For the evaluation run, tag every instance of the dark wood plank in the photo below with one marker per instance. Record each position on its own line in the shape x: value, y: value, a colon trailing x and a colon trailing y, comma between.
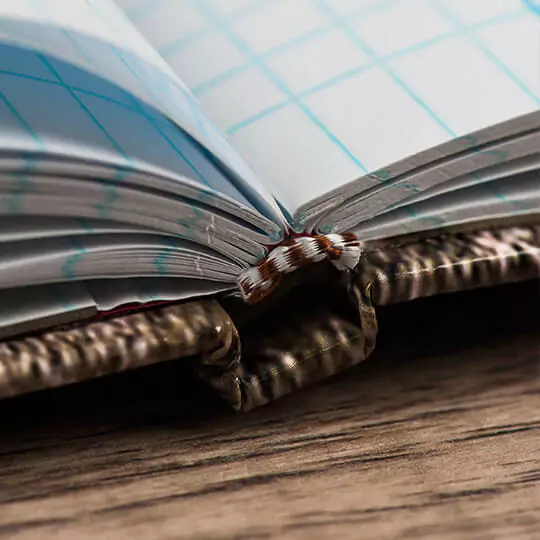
x: 437, y: 436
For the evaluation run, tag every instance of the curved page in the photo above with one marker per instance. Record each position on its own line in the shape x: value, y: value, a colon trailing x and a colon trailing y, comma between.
x: 78, y: 80
x: 319, y: 93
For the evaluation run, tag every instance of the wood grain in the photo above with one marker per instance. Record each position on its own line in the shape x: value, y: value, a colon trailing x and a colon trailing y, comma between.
x: 437, y: 436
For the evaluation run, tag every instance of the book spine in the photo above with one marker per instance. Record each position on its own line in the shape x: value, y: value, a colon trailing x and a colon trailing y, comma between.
x: 310, y: 344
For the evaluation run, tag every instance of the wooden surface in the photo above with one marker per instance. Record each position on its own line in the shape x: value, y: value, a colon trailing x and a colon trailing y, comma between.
x: 437, y: 436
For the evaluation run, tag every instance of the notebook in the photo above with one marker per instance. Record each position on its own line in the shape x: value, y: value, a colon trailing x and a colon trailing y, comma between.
x: 159, y: 151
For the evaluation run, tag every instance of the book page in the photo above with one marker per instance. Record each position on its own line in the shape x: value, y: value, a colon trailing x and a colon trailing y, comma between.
x: 513, y: 197
x: 40, y: 307
x: 78, y: 80
x: 318, y: 93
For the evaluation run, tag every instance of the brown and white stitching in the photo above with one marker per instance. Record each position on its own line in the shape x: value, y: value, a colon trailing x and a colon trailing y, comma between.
x: 343, y: 250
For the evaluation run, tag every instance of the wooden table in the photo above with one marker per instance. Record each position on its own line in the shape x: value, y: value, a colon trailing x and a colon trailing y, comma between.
x: 436, y: 436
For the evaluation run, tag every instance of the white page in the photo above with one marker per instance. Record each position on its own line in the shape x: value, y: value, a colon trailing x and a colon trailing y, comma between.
x: 317, y: 93
x: 31, y: 309
x: 77, y: 79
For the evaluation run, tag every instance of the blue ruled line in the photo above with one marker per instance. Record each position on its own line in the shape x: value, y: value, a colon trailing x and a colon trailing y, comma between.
x: 370, y: 65
x: 69, y: 271
x: 455, y: 21
x: 126, y: 64
x: 21, y: 178
x: 73, y: 94
x: 244, y: 48
x: 289, y: 45
x: 532, y: 6
x: 143, y: 8
x: 177, y: 45
x: 357, y: 39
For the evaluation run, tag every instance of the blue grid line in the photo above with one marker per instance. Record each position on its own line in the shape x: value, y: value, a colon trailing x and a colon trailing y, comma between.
x: 448, y: 36
x: 75, y: 88
x: 216, y: 81
x: 194, y: 108
x: 161, y: 259
x: 76, y: 45
x: 28, y: 128
x: 121, y: 57
x: 37, y: 5
x: 183, y: 42
x: 68, y: 270
x: 85, y: 225
x: 370, y: 65
x: 243, y: 47
x: 285, y: 47
x: 13, y: 203
x: 142, y: 8
x: 102, y: 207
x: 259, y: 116
x: 455, y: 21
x: 112, y: 194
x: 360, y: 42
x: 532, y: 6
x: 179, y: 44
x: 21, y: 178
x: 73, y: 94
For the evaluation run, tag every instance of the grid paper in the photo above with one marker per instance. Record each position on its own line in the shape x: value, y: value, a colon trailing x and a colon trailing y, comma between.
x: 78, y: 81
x: 78, y: 78
x: 316, y: 93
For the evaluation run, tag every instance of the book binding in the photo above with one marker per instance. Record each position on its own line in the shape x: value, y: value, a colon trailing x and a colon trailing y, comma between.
x: 306, y: 340
x: 343, y: 250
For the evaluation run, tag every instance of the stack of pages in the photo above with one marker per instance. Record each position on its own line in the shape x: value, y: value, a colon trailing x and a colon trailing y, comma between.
x: 155, y: 150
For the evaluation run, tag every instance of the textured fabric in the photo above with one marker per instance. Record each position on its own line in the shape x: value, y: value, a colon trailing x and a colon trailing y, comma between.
x: 307, y: 347
x: 449, y: 263
x: 300, y: 346
x: 67, y: 356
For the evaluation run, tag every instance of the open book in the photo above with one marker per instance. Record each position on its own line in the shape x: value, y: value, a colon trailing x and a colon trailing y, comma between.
x: 158, y: 150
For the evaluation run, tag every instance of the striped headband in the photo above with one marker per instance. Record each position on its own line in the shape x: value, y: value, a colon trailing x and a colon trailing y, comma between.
x: 343, y: 250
